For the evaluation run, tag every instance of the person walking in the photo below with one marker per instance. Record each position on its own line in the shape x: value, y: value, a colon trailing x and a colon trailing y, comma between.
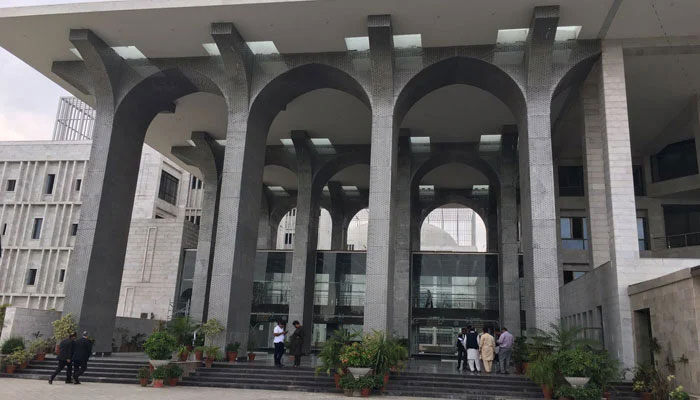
x: 82, y: 350
x: 486, y: 348
x: 472, y: 344
x: 279, y: 334
x: 296, y: 344
x: 461, y: 350
x: 65, y: 355
x: 496, y: 350
x: 505, y: 341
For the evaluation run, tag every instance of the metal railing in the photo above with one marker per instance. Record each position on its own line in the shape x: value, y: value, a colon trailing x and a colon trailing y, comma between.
x: 680, y: 240
x: 574, y: 244
x: 456, y: 301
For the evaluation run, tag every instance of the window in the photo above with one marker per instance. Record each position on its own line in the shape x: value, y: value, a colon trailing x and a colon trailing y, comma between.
x: 197, y: 220
x: 36, y: 231
x: 574, y: 235
x: 638, y: 178
x: 168, y: 188
x: 78, y: 184
x: 31, y: 277
x: 570, y: 276
x: 199, y: 183
x: 4, y: 228
x: 158, y: 216
x: 74, y: 229
x: 50, y: 179
x: 193, y: 181
x: 674, y: 161
x: 571, y: 181
x: 11, y: 183
x: 61, y: 275
x: 288, y: 238
x: 682, y: 224
x: 642, y: 236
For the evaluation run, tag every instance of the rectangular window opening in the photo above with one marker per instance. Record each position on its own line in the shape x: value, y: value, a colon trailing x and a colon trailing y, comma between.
x: 78, y: 184
x: 31, y: 277
x: 62, y: 275
x: 11, y: 184
x: 74, y: 229
x: 571, y: 181
x: 168, y: 188
x: 4, y: 228
x: 36, y: 230
x: 574, y: 233
x: 50, y: 179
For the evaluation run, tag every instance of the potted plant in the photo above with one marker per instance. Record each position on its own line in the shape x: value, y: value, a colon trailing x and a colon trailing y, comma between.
x: 543, y: 372
x: 182, y: 329
x: 144, y: 374
x: 366, y: 384
x: 10, y: 345
x: 605, y: 369
x: 576, y: 365
x: 232, y: 351
x: 211, y: 328
x: 212, y: 353
x: 357, y: 359
x: 519, y: 354
x: 159, y: 348
x: 13, y: 360
x: 198, y: 352
x: 643, y: 376
x: 62, y: 328
x: 348, y: 384
x: 588, y: 392
x: 678, y: 394
x: 251, y: 346
x: 183, y: 353
x: 38, y: 349
x: 23, y: 357
x: 330, y: 354
x: 159, y: 374
x: 173, y: 372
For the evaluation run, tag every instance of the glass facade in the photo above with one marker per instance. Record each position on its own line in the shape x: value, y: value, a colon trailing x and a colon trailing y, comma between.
x: 448, y: 292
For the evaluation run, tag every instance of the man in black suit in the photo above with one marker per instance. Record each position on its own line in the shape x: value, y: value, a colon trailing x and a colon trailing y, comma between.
x: 82, y: 350
x: 65, y: 355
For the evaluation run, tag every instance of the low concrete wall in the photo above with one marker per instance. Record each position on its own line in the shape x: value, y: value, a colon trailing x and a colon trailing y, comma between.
x: 25, y: 321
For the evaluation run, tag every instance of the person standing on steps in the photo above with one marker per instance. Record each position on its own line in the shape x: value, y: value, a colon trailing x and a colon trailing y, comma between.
x: 505, y: 341
x: 82, y: 350
x: 461, y: 350
x: 65, y: 355
x: 472, y: 345
x: 296, y: 345
x: 486, y: 347
x: 279, y: 334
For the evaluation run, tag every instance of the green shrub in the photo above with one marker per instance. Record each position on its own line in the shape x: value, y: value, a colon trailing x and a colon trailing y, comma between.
x: 12, y: 344
x: 63, y: 327
x: 160, y: 372
x: 588, y: 392
x: 543, y: 371
x: 173, y: 371
x: 144, y: 372
x: 39, y: 346
x: 233, y: 347
x: 212, y: 328
x: 212, y: 352
x: 160, y: 346
x: 182, y: 329
x: 576, y: 362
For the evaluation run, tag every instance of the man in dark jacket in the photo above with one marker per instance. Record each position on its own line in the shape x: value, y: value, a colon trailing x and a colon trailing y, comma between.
x: 65, y: 355
x: 82, y: 350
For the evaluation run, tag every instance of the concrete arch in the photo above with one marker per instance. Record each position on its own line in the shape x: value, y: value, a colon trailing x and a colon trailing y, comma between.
x: 575, y: 75
x: 439, y: 159
x: 460, y: 70
x: 453, y: 199
x: 335, y: 165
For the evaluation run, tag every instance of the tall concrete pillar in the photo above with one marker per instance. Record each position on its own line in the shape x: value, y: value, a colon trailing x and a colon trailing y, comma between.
x: 337, y: 212
x: 382, y: 200
x: 97, y: 262
x: 539, y: 227
x: 301, y: 299
x: 266, y: 240
x: 207, y: 155
x: 621, y: 211
x: 599, y: 248
x: 402, y: 247
x: 231, y: 292
x: 508, y: 235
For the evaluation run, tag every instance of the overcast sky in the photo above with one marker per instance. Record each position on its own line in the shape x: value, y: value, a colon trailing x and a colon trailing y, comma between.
x: 28, y: 100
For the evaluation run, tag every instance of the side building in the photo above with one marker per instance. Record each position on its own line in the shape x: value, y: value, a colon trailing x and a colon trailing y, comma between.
x: 40, y: 199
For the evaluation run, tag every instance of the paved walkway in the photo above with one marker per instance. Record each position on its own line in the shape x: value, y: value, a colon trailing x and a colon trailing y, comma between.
x: 32, y: 389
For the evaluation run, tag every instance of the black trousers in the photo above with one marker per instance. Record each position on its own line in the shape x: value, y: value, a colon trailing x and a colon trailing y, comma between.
x: 69, y: 370
x: 297, y: 360
x: 461, y: 358
x: 79, y: 367
x: 279, y: 352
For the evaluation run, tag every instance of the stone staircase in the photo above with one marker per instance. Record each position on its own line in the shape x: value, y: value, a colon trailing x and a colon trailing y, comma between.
x: 243, y: 375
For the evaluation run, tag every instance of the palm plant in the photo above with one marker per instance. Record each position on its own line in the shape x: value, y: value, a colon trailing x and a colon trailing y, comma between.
x: 330, y: 352
x: 182, y: 328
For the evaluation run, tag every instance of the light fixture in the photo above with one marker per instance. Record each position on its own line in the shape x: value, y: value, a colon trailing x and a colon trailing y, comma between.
x: 360, y: 43
x: 425, y: 188
x: 287, y: 142
x: 276, y: 189
x: 76, y: 52
x: 191, y: 143
x: 129, y: 52
x: 321, y: 142
x: 480, y: 188
x: 565, y: 33
x: 420, y: 139
x: 410, y: 41
x: 263, y: 47
x: 490, y: 143
x: 212, y: 49
x: 510, y: 36
x: 350, y: 188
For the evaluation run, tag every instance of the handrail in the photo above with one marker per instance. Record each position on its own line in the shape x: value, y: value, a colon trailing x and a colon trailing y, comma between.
x: 680, y: 240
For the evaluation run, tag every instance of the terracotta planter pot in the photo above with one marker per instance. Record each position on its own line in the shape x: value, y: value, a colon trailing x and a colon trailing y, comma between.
x: 56, y: 349
x: 366, y: 392
x: 150, y: 368
x: 157, y: 383
x: 189, y: 348
x: 232, y: 355
x: 519, y: 368
x: 172, y: 381
x: 23, y: 365
x: 251, y: 356
x: 184, y: 356
x: 336, y: 377
x: 40, y: 356
x: 606, y: 395
x: 208, y: 362
x: 198, y: 355
x: 547, y: 391
x: 526, y: 365
x: 10, y: 369
x: 386, y: 381
x: 143, y: 381
x: 645, y: 396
